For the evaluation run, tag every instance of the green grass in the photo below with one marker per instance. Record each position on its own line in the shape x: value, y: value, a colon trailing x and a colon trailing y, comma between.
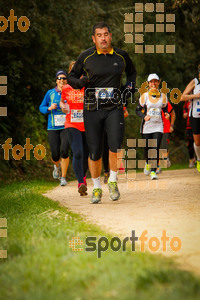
x: 174, y: 166
x: 40, y: 264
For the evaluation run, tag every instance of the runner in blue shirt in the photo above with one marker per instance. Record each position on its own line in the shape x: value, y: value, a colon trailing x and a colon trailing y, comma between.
x: 57, y: 136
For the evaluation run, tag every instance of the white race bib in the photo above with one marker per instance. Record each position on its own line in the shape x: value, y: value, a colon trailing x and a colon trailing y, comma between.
x: 59, y: 120
x: 196, y: 102
x: 76, y: 115
x: 196, y: 108
x: 155, y: 114
x: 103, y: 93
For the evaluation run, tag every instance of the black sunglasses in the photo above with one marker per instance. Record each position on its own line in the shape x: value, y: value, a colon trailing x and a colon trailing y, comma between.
x: 64, y: 78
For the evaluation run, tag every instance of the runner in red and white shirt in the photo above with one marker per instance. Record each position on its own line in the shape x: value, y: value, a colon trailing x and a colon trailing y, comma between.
x: 72, y: 104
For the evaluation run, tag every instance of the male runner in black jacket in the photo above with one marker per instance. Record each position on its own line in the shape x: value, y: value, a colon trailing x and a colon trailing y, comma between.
x: 102, y: 67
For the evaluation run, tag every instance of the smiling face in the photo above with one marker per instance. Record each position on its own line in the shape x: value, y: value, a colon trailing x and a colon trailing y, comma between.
x: 154, y: 84
x: 60, y: 81
x: 102, y: 40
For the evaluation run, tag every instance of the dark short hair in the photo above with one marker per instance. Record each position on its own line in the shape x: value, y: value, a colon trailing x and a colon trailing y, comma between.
x: 100, y: 25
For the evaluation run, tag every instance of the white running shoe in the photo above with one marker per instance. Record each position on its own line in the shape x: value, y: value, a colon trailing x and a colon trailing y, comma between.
x: 153, y: 175
x: 147, y: 169
x: 113, y: 190
x: 63, y: 181
x: 96, y: 196
x: 159, y: 170
x: 192, y: 163
x: 168, y: 163
x: 56, y: 172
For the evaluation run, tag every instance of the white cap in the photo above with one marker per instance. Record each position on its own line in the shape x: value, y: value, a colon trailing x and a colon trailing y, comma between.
x: 152, y: 76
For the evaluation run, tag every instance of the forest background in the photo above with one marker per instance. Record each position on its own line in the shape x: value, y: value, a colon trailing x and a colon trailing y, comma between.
x: 59, y: 31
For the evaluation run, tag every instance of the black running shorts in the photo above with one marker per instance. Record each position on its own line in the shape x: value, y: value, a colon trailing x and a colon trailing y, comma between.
x: 112, y: 121
x: 195, y: 124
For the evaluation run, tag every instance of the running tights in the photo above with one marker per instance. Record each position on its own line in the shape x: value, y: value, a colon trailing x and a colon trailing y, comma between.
x: 153, y: 141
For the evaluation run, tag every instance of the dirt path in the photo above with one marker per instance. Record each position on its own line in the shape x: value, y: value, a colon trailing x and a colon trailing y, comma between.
x: 171, y: 203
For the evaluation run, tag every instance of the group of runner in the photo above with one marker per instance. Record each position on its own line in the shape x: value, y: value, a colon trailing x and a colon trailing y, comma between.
x: 86, y: 110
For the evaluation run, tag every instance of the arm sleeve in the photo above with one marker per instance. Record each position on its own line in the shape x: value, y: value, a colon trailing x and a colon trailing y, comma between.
x: 45, y: 104
x: 77, y: 71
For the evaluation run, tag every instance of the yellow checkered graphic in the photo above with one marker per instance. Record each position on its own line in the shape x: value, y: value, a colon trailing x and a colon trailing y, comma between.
x: 3, y: 234
x: 76, y: 241
x: 134, y: 27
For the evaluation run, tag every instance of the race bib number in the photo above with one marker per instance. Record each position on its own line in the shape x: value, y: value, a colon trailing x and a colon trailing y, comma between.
x: 76, y: 115
x: 103, y: 93
x: 59, y: 120
x: 154, y: 113
x: 196, y: 109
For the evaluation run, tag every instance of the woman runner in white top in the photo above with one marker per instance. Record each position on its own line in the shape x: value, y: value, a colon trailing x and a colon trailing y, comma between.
x: 192, y: 92
x: 152, y: 103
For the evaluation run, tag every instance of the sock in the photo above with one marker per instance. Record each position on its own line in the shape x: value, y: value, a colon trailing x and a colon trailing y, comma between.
x: 197, y: 151
x: 96, y: 183
x: 113, y: 176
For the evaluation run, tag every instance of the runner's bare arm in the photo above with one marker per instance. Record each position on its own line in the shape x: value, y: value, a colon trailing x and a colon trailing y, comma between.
x: 173, y: 118
x: 187, y: 92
